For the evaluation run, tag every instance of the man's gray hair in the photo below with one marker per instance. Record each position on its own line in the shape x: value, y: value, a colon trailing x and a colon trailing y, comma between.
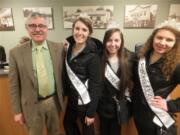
x: 35, y: 15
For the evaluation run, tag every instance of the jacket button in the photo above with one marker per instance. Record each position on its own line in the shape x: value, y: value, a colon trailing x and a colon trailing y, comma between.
x: 75, y: 60
x: 153, y: 71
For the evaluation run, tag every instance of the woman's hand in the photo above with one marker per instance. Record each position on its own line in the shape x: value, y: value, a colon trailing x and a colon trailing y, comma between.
x: 19, y: 118
x: 89, y: 121
x: 159, y: 102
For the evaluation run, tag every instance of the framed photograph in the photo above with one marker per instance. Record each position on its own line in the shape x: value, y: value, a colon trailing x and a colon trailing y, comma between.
x: 100, y: 15
x: 174, y: 12
x: 47, y: 11
x: 6, y: 19
x: 140, y: 16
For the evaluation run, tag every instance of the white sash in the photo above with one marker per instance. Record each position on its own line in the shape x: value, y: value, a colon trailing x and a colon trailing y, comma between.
x: 162, y: 117
x: 112, y: 77
x: 79, y: 86
x: 114, y: 80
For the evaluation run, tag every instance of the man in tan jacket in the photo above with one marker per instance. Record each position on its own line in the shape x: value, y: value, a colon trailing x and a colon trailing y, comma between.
x: 32, y: 108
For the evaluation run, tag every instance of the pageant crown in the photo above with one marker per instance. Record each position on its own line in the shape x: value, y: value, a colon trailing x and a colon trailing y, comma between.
x: 85, y: 15
x: 170, y: 22
x: 112, y: 25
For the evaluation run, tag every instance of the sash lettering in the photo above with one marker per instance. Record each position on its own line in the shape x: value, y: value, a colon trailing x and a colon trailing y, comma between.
x: 112, y: 77
x: 162, y: 117
x: 114, y: 80
x: 81, y: 88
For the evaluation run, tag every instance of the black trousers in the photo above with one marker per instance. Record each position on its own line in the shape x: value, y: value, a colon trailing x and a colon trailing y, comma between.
x: 109, y: 126
x: 70, y: 121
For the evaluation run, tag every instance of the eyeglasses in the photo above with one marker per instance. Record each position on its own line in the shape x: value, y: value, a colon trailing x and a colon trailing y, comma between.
x: 34, y: 26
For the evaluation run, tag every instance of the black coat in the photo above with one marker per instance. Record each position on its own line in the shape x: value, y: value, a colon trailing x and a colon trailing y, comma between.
x: 86, y: 65
x: 107, y: 105
x: 142, y: 113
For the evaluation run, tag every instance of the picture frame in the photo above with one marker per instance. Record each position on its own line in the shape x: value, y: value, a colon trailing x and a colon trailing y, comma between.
x: 140, y: 16
x: 99, y: 15
x: 174, y: 12
x: 6, y: 19
x: 47, y: 11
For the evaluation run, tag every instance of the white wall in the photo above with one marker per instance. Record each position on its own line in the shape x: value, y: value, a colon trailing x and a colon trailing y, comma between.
x: 10, y: 38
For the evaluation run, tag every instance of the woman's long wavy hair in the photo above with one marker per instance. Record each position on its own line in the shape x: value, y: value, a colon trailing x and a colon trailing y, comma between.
x: 124, y: 71
x: 171, y: 58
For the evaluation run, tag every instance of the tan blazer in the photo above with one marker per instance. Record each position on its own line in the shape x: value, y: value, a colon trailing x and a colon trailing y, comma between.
x: 23, y: 86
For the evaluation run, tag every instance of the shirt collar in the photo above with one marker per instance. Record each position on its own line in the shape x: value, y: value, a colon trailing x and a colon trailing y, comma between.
x: 34, y: 45
x: 148, y: 54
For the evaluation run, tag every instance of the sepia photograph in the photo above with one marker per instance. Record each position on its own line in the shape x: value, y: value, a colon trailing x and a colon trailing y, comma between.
x: 6, y: 19
x: 99, y: 15
x: 140, y: 16
x: 174, y: 12
x: 47, y: 11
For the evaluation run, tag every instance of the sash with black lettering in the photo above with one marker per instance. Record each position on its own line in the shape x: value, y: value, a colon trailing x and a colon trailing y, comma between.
x: 114, y: 80
x: 112, y: 77
x: 81, y: 88
x: 162, y: 117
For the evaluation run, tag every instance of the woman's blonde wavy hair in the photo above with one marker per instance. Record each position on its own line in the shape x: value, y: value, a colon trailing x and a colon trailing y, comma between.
x: 171, y: 58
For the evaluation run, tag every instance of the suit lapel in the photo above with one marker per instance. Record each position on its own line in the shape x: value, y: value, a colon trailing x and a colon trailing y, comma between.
x: 27, y: 58
x: 54, y: 54
x: 53, y: 49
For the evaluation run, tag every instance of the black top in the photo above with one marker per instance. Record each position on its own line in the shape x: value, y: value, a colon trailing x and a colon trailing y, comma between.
x: 86, y: 65
x: 161, y: 87
x: 107, y: 105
